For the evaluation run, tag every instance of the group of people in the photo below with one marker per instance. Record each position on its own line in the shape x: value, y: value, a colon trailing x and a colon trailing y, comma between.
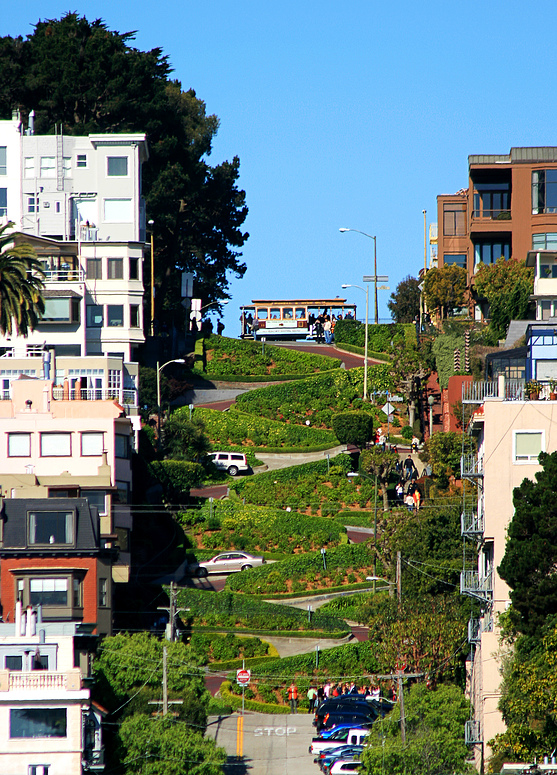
x: 318, y: 694
x: 322, y: 327
x: 412, y: 498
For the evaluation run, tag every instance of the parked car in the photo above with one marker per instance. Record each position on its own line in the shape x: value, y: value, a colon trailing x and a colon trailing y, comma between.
x: 340, y: 767
x: 338, y: 737
x: 344, y: 752
x: 231, y: 462
x: 228, y: 562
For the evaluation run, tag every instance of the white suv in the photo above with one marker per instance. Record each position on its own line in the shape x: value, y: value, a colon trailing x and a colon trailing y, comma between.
x: 231, y: 462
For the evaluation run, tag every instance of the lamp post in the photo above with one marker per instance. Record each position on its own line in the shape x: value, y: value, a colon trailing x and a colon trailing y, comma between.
x: 430, y: 401
x: 151, y: 223
x: 374, y: 264
x: 366, y: 291
x: 159, y: 369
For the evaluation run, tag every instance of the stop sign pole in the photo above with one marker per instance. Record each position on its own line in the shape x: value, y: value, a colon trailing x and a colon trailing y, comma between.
x: 243, y: 677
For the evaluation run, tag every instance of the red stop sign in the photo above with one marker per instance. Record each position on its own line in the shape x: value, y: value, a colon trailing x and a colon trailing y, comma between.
x: 243, y: 676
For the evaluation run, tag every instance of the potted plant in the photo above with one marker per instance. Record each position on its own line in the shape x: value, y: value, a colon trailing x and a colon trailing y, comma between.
x: 553, y: 389
x: 533, y: 388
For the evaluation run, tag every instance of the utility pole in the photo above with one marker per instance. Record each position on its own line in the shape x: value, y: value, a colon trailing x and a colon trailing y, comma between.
x: 401, y: 702
x: 165, y: 683
x: 399, y: 578
x: 172, y: 613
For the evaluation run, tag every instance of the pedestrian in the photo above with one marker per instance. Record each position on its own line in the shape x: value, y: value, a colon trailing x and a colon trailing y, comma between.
x: 409, y: 501
x: 399, y: 489
x: 417, y: 498
x: 408, y: 468
x: 194, y: 327
x: 327, y: 330
x: 382, y: 441
x: 220, y: 327
x: 293, y: 697
x: 415, y: 443
x: 312, y: 698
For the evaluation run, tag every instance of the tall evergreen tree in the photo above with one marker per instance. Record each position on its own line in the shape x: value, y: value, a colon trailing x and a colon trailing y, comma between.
x: 86, y: 78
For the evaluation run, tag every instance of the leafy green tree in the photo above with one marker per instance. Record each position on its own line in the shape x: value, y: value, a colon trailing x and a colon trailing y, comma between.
x: 21, y: 285
x: 507, y: 286
x: 87, y: 78
x: 353, y: 428
x: 434, y: 739
x: 528, y: 565
x: 443, y: 451
x: 445, y: 288
x: 163, y: 746
x: 405, y: 301
x: 380, y: 464
x: 185, y: 439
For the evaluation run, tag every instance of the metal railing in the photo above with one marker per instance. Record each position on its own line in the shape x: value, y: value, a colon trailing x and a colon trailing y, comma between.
x: 125, y: 397
x: 474, y: 630
x: 472, y: 733
x: 477, y: 392
x: 471, y: 466
x: 474, y: 585
x: 471, y: 523
x: 64, y: 275
x: 492, y: 215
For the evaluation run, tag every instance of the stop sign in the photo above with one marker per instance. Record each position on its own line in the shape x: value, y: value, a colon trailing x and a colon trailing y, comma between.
x: 243, y: 676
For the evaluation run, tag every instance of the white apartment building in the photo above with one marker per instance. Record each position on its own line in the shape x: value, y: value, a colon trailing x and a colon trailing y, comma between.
x: 48, y: 723
x: 78, y: 201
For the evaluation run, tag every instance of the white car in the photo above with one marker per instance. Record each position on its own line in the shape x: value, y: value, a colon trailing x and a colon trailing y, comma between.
x: 347, y: 766
x: 231, y: 462
x: 228, y: 562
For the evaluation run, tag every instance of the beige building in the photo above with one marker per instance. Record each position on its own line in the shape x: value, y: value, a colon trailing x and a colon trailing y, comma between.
x: 511, y: 431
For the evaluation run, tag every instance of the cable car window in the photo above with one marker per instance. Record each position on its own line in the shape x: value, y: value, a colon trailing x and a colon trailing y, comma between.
x: 287, y: 313
x: 262, y: 313
x: 300, y: 313
x: 275, y: 313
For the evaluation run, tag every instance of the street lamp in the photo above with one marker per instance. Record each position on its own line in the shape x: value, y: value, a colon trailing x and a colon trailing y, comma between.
x: 366, y: 291
x: 374, y: 264
x: 430, y: 401
x: 159, y: 369
x: 151, y: 223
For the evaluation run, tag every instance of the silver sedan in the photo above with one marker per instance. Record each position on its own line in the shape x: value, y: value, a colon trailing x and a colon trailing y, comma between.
x: 229, y: 562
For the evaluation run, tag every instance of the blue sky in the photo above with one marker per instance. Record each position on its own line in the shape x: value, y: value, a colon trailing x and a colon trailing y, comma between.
x: 351, y: 114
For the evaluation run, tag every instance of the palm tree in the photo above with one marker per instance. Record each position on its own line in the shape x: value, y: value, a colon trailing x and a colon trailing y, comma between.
x: 21, y: 285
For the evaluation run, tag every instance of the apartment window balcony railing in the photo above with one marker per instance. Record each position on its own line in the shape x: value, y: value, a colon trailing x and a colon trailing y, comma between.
x: 471, y: 466
x: 492, y: 215
x: 472, y: 733
x: 126, y: 397
x: 474, y: 630
x: 471, y: 523
x: 477, y: 392
x: 63, y: 275
x: 474, y: 585
x: 37, y: 680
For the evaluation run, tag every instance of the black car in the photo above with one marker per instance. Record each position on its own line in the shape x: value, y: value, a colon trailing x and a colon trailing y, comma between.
x: 356, y: 717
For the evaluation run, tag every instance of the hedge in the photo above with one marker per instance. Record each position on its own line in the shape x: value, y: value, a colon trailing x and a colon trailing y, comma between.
x: 227, y: 610
x: 353, y: 428
x: 258, y: 378
x: 344, y: 662
x: 235, y: 427
x: 345, y: 565
x: 226, y: 357
x: 177, y: 477
x: 311, y: 634
x: 381, y: 337
x: 232, y: 525
x: 259, y: 707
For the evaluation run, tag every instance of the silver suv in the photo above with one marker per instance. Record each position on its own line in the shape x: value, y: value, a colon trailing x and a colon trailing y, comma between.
x: 231, y: 462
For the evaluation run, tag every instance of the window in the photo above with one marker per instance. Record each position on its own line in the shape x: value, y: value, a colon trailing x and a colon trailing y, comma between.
x: 61, y: 310
x: 117, y: 166
x: 14, y: 662
x: 455, y: 258
x: 39, y: 769
x: 115, y: 315
x: 56, y: 444
x: 19, y: 445
x: 300, y: 313
x: 134, y: 316
x: 544, y: 241
x: 118, y: 211
x: 115, y: 268
x: 48, y: 592
x: 94, y: 315
x: 81, y: 161
x: 3, y: 201
x: 528, y: 445
x: 77, y: 593
x: 94, y: 269
x: 489, y: 251
x: 275, y: 313
x: 114, y: 382
x: 48, y: 167
x: 3, y: 160
x: 32, y: 204
x: 492, y: 200
x: 548, y: 270
x: 38, y: 722
x: 123, y: 491
x: 67, y: 166
x: 29, y: 167
x: 103, y: 592
x: 122, y: 446
x: 96, y: 498
x: 287, y: 313
x: 544, y: 191
x: 454, y: 220
x: 92, y: 444
x: 51, y: 527
x: 134, y: 269
x: 262, y: 314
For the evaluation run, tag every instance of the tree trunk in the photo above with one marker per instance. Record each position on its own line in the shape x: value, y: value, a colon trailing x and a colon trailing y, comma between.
x: 385, y: 496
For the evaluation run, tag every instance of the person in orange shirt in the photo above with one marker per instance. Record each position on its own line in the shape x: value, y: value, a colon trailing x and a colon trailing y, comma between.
x: 293, y: 697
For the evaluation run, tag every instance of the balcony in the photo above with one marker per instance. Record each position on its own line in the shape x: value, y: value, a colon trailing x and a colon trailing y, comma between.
x: 472, y: 733
x: 492, y: 215
x: 474, y: 631
x: 67, y: 275
x: 471, y: 466
x: 476, y: 586
x: 508, y: 390
x: 43, y: 680
x: 471, y: 523
x: 124, y: 397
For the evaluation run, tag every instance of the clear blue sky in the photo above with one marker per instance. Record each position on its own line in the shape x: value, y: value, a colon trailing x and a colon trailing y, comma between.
x: 351, y: 114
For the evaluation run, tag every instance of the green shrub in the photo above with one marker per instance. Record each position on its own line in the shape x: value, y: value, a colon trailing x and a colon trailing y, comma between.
x: 177, y: 477
x: 353, y: 428
x: 260, y: 707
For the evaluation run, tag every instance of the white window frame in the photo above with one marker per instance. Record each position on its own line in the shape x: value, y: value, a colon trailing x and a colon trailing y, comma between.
x: 97, y: 440
x: 108, y: 160
x: 29, y: 167
x: 123, y: 210
x: 530, y: 459
x: 23, y: 449
x: 57, y: 442
x: 81, y: 161
x: 48, y: 171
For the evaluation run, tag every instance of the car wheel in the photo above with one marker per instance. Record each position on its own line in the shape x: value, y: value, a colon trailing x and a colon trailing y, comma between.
x: 246, y: 567
x: 233, y: 470
x: 201, y: 573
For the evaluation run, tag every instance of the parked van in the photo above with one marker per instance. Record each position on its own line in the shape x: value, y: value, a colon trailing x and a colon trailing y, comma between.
x: 340, y: 737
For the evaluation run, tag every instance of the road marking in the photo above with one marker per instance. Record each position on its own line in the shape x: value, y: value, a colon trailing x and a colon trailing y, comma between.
x: 278, y: 731
x: 240, y: 736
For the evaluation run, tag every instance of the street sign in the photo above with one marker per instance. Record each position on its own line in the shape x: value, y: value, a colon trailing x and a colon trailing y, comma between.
x: 380, y: 278
x: 243, y: 677
x: 388, y: 408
